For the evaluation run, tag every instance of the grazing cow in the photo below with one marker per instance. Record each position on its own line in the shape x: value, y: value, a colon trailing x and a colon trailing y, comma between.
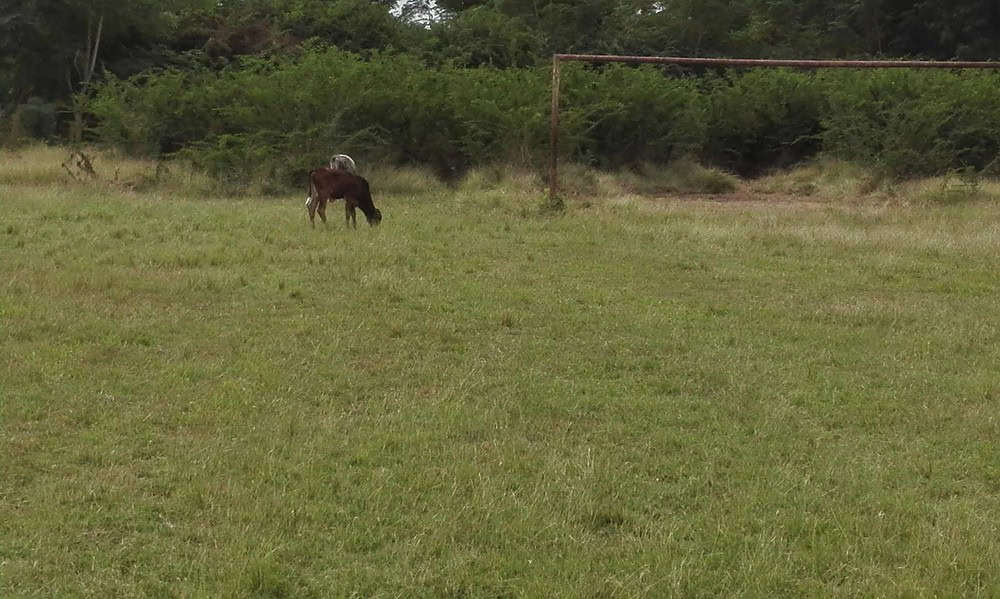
x: 340, y: 162
x: 343, y: 162
x: 328, y: 184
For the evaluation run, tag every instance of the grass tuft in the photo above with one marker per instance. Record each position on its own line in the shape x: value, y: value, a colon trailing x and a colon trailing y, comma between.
x: 952, y: 189
x: 401, y: 181
x: 681, y: 176
x: 824, y: 179
x: 49, y: 166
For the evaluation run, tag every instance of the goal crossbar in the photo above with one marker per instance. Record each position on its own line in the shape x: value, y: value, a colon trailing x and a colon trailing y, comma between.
x: 729, y: 62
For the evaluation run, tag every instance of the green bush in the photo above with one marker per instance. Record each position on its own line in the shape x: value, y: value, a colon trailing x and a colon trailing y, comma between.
x: 277, y: 118
x: 623, y: 115
x: 388, y: 109
x: 911, y: 123
x: 762, y: 119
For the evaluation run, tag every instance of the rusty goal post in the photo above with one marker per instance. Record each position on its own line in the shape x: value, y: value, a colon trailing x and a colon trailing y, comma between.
x: 725, y: 62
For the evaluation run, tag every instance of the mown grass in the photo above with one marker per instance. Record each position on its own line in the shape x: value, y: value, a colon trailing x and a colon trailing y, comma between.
x: 202, y: 397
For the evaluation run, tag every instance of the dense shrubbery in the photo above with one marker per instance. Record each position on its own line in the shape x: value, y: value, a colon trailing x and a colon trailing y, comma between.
x: 277, y: 117
x: 762, y: 119
x: 620, y: 115
x: 272, y: 115
x: 913, y: 123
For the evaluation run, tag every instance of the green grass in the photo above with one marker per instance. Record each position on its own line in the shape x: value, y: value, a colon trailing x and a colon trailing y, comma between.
x: 637, y: 398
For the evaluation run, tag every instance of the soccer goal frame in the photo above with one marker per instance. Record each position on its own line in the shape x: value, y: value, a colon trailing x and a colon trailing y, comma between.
x: 557, y: 59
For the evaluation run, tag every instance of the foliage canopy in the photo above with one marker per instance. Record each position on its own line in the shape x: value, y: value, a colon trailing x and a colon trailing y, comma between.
x: 458, y: 82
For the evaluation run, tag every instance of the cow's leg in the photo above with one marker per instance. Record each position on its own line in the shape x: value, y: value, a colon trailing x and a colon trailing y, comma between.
x: 311, y: 207
x: 321, y: 208
x: 349, y: 214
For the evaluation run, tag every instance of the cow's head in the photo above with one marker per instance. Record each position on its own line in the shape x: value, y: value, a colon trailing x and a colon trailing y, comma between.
x: 375, y: 217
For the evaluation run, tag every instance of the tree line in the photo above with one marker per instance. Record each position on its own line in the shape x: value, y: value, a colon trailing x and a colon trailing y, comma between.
x: 103, y: 70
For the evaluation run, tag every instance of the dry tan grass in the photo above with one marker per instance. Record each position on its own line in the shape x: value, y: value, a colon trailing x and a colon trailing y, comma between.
x: 33, y: 165
x: 41, y: 165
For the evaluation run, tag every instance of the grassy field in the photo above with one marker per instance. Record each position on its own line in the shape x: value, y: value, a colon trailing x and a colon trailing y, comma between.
x: 669, y: 397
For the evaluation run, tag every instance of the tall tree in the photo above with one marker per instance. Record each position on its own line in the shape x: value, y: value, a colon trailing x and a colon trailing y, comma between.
x: 46, y: 42
x: 965, y: 29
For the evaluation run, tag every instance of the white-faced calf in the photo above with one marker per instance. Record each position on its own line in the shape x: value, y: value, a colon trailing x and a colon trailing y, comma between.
x: 343, y: 162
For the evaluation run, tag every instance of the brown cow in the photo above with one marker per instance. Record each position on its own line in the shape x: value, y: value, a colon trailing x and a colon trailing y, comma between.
x: 327, y: 184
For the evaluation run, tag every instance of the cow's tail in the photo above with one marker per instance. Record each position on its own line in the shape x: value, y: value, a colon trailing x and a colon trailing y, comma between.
x: 311, y: 191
